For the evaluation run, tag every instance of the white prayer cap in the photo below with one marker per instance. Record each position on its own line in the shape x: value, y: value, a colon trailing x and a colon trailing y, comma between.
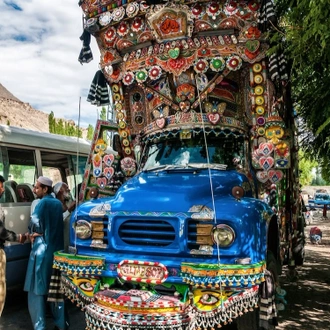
x: 57, y: 187
x: 45, y: 181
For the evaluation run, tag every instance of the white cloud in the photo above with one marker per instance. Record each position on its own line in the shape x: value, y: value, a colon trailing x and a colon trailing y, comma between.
x: 40, y: 45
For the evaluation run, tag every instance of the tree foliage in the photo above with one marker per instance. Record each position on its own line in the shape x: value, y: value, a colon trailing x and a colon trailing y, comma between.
x: 61, y: 127
x: 304, y: 30
x: 306, y: 167
x: 103, y: 114
x: 90, y: 132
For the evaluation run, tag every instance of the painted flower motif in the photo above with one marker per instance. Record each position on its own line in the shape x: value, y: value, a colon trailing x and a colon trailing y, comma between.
x: 132, y: 9
x: 128, y: 78
x: 118, y: 14
x: 204, y: 52
x: 144, y: 6
x: 141, y: 75
x: 217, y: 64
x: 122, y: 29
x: 234, y: 63
x: 197, y: 10
x: 151, y: 61
x: 213, y: 9
x: 109, y: 69
x: 137, y: 24
x: 231, y: 8
x: 155, y: 72
x: 116, y: 75
x: 110, y: 36
x: 201, y: 66
x: 108, y: 57
x: 253, y: 5
x: 253, y: 32
x: 105, y: 18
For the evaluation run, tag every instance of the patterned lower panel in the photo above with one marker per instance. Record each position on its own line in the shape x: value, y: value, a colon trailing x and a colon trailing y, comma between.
x: 100, y: 318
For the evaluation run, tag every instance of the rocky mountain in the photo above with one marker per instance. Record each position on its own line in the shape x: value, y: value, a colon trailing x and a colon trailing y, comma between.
x: 14, y: 112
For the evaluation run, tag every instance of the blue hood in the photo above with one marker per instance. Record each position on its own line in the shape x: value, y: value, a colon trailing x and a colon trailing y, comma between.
x: 175, y: 191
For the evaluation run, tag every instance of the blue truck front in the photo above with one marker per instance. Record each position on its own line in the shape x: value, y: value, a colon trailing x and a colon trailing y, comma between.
x: 180, y: 243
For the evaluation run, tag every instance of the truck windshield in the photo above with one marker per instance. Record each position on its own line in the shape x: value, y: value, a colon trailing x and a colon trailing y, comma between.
x: 221, y: 150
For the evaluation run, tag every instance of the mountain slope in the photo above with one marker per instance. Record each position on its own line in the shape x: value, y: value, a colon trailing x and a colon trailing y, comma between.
x: 14, y: 112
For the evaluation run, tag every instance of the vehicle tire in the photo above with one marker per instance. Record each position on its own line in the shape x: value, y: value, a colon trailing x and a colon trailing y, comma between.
x: 248, y: 321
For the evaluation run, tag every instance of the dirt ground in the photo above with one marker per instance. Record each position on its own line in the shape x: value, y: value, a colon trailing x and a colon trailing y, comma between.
x: 308, y: 299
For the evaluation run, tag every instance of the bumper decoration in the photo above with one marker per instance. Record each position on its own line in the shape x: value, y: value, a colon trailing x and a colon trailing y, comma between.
x: 78, y: 265
x: 234, y: 276
x: 79, y: 290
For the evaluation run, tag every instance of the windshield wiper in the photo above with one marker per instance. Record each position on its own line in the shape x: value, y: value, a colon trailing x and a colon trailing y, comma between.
x: 170, y: 167
x: 156, y: 168
x: 194, y: 167
x: 198, y: 166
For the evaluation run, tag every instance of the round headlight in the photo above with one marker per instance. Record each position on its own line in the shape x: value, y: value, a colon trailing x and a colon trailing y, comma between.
x: 83, y: 229
x: 223, y: 235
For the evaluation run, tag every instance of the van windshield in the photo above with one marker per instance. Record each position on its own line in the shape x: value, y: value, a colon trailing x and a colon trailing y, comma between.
x: 221, y: 150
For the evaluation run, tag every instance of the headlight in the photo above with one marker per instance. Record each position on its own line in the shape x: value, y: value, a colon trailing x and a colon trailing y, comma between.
x: 83, y: 229
x: 223, y: 235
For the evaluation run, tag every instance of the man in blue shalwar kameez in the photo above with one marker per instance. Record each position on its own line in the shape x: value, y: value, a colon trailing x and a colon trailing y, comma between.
x: 46, y: 233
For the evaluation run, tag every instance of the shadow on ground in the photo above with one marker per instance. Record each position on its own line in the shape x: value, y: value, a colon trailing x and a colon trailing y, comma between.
x: 308, y: 299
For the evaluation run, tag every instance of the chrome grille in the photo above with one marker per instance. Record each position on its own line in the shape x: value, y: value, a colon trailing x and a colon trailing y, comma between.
x: 192, y: 235
x: 147, y: 232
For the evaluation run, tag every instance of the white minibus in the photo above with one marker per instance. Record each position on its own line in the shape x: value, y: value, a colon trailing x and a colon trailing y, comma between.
x: 24, y: 156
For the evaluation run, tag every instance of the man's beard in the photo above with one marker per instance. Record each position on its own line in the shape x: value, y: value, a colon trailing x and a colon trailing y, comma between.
x: 67, y: 198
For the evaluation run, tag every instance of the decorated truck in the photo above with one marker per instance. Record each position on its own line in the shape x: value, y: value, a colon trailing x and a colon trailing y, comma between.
x: 189, y: 201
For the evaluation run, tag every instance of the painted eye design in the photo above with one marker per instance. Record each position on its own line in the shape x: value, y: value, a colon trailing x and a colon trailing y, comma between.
x: 86, y: 286
x: 208, y: 299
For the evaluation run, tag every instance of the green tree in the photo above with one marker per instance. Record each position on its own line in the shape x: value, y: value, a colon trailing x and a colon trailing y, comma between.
x: 90, y: 132
x: 103, y: 114
x: 51, y: 122
x: 59, y: 127
x: 318, y: 180
x: 306, y: 167
x: 62, y: 127
x: 304, y: 30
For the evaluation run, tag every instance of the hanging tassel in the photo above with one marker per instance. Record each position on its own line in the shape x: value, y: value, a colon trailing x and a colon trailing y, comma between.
x: 85, y: 55
x: 98, y: 93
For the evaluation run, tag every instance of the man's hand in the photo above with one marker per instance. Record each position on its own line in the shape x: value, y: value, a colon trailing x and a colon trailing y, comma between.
x: 72, y: 206
x: 21, y: 238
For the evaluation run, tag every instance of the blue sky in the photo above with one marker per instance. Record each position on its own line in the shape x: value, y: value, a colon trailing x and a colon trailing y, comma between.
x: 39, y: 49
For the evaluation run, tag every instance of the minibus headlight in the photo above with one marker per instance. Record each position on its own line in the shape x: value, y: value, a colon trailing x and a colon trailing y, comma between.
x: 223, y: 235
x: 83, y: 229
